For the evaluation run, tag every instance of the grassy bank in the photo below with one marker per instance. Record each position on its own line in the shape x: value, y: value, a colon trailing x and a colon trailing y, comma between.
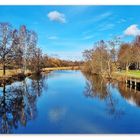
x: 9, y: 72
x: 61, y: 68
x: 18, y: 71
x: 16, y: 74
x: 12, y: 72
x: 130, y: 73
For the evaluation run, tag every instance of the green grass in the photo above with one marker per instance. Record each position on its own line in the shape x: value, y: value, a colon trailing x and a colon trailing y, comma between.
x: 131, y: 73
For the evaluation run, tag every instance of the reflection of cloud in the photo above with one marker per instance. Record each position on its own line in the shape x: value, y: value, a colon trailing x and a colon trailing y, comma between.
x: 131, y: 102
x: 83, y: 125
x: 56, y: 114
x: 90, y: 127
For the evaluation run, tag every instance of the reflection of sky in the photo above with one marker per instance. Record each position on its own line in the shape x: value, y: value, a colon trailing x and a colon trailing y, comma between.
x: 63, y: 108
x: 131, y: 101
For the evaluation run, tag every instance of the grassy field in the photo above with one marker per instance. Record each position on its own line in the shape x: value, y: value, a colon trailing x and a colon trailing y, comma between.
x: 131, y: 73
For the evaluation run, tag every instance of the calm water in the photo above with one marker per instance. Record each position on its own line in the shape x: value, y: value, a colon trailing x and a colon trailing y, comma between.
x: 68, y: 102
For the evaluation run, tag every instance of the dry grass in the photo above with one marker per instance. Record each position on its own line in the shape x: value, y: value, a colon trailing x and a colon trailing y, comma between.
x: 12, y: 72
x: 17, y: 71
x: 9, y: 72
x: 61, y: 68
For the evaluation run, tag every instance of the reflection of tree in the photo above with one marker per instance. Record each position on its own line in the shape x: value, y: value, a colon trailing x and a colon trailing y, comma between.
x: 38, y: 83
x: 112, y: 103
x: 101, y: 88
x: 10, y: 106
x: 129, y: 94
x: 95, y: 87
x: 18, y: 104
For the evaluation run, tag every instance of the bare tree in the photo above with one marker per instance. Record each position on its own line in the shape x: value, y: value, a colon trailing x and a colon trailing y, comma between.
x: 5, y: 44
x: 98, y: 58
x: 125, y: 56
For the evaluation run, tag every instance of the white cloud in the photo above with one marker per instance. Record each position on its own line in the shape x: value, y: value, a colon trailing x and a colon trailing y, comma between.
x: 67, y: 55
x: 121, y: 21
x: 52, y: 37
x: 88, y: 37
x: 132, y: 30
x: 102, y: 16
x: 108, y: 26
x: 97, y: 18
x: 57, y: 16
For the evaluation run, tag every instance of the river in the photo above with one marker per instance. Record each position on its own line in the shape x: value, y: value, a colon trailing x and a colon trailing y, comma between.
x: 69, y: 102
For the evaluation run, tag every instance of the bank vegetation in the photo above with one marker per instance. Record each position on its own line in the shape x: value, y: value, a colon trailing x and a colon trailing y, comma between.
x: 20, y: 53
x: 108, y: 58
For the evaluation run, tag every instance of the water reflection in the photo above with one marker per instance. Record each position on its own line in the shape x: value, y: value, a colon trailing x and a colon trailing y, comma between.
x: 106, y: 107
x: 56, y: 114
x: 130, y: 94
x: 18, y: 103
x: 97, y: 87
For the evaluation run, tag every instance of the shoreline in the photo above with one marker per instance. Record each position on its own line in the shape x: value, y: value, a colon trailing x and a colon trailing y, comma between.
x: 8, y: 79
x: 5, y: 80
x: 61, y: 68
x: 120, y: 76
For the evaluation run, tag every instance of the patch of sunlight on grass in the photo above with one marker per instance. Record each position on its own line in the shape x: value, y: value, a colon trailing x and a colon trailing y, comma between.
x: 10, y: 72
x: 131, y: 73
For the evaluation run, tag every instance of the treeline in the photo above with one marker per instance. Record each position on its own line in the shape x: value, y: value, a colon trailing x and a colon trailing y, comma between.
x: 19, y: 50
x: 129, y: 55
x: 108, y: 56
x: 56, y: 62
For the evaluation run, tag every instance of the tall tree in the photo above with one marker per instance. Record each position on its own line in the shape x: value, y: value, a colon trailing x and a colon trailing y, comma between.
x: 5, y: 44
x: 126, y: 56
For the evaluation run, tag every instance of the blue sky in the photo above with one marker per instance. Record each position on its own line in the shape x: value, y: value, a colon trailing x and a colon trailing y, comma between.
x: 66, y: 31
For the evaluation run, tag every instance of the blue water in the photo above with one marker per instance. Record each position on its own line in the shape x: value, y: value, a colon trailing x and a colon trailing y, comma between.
x: 68, y: 102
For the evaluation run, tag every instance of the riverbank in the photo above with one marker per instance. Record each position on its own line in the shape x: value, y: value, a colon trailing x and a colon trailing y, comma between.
x: 122, y: 75
x: 130, y: 73
x: 17, y: 75
x: 61, y: 68
x: 12, y: 78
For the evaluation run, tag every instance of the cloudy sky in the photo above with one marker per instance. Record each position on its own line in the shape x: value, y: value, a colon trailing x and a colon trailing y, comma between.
x: 66, y: 31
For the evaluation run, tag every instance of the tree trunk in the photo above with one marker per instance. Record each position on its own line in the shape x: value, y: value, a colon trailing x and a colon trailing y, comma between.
x: 109, y: 69
x: 4, y: 72
x: 127, y: 69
